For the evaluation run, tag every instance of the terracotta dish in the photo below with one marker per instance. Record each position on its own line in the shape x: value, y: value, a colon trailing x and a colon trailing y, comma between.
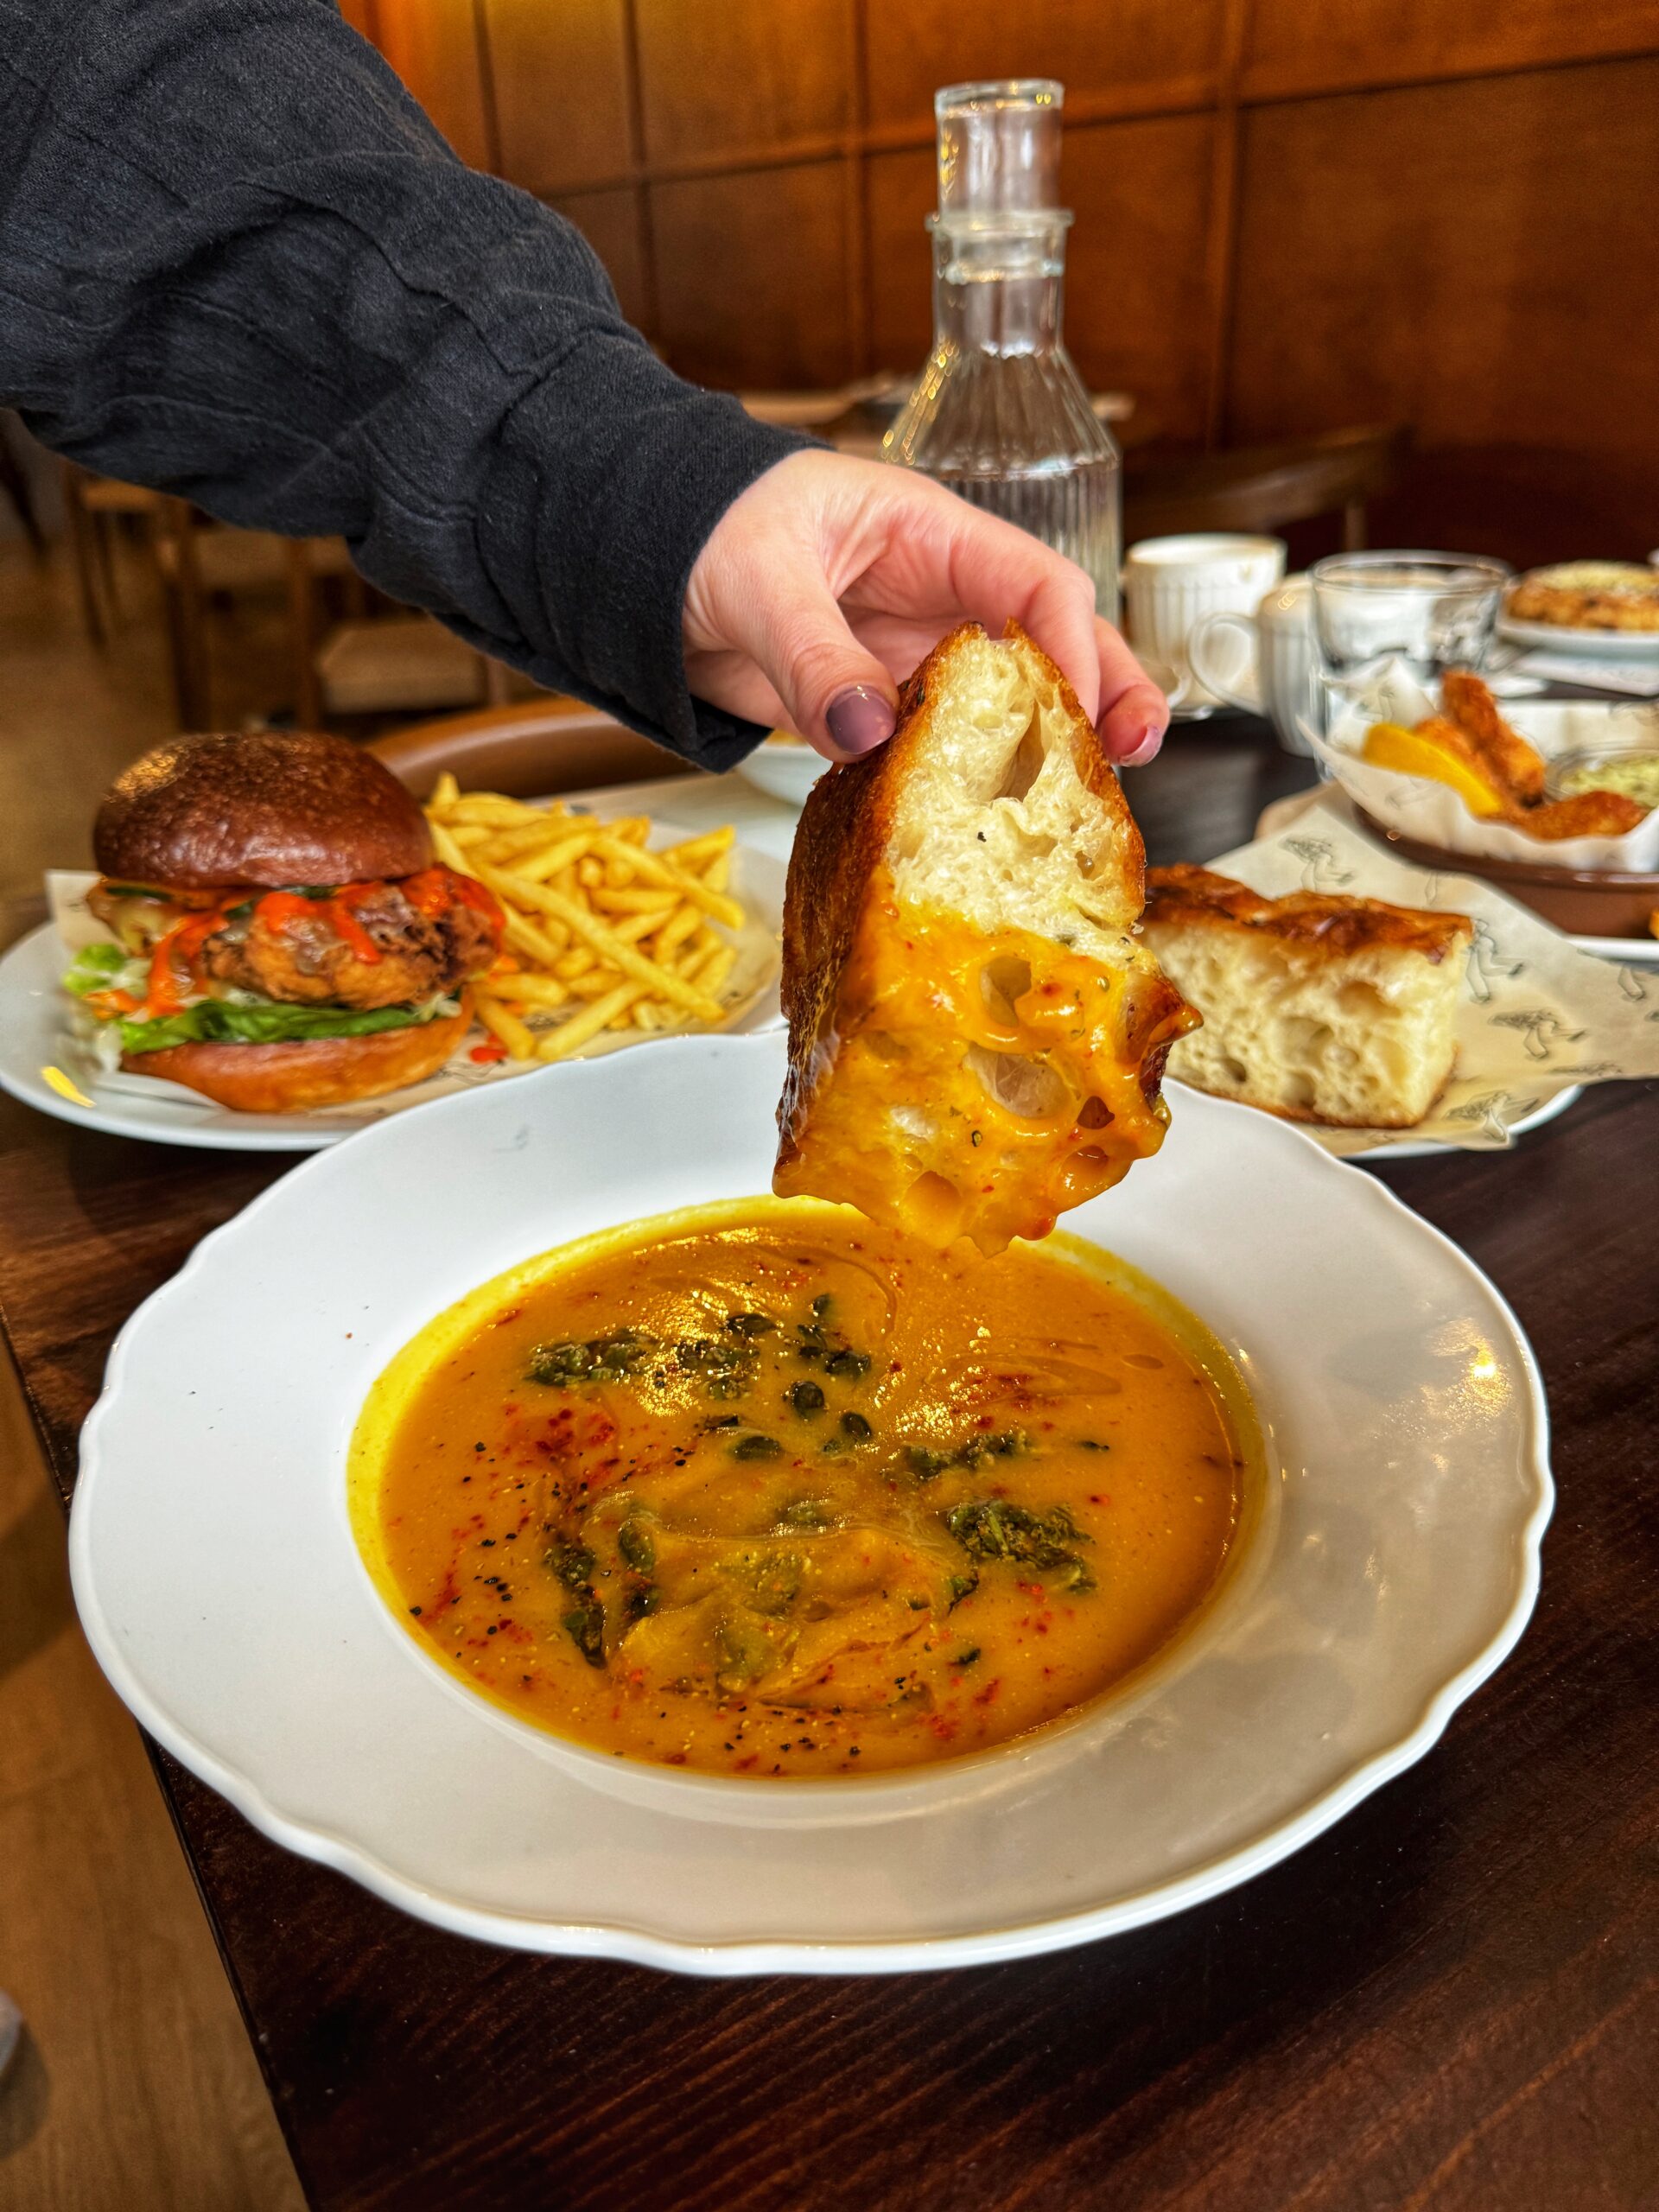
x: 1585, y: 902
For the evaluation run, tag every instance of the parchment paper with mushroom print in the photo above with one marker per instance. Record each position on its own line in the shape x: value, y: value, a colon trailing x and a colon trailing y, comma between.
x: 1537, y: 1015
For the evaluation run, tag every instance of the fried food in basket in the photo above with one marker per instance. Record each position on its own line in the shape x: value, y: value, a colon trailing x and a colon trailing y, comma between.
x: 1518, y: 767
x: 1586, y: 814
x: 1498, y: 776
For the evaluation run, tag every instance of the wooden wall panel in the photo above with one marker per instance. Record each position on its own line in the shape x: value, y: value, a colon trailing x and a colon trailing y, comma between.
x: 752, y: 277
x: 1291, y: 213
x: 610, y: 221
x: 1137, y: 294
x: 1462, y: 257
x: 1314, y: 46
x: 561, y: 97
x: 723, y: 76
x: 1128, y: 53
x: 903, y: 191
x: 1136, y: 291
x: 433, y: 46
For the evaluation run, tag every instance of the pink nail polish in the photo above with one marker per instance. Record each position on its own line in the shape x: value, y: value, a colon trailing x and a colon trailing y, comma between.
x: 859, y: 720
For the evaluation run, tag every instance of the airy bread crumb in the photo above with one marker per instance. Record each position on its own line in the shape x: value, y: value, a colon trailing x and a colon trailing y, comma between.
x: 1320, y: 1009
x: 976, y: 1030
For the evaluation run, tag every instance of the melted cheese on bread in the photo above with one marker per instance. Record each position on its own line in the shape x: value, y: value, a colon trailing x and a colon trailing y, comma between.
x: 977, y: 1032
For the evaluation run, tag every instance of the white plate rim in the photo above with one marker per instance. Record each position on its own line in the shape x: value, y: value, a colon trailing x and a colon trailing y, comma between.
x: 1407, y: 1147
x: 637, y: 1946
x: 1589, y: 645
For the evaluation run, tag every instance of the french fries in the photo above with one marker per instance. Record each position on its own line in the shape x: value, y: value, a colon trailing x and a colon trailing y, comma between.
x: 601, y: 934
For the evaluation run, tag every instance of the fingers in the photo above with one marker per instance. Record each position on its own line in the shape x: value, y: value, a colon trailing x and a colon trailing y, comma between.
x: 1000, y: 572
x: 1134, y: 713
x: 764, y: 619
x: 837, y: 696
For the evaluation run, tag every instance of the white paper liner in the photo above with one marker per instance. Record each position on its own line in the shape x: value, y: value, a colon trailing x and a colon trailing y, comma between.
x: 1432, y: 814
x: 1537, y: 1015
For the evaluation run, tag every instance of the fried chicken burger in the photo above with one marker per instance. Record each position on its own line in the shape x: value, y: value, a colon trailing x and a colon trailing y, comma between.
x: 282, y: 936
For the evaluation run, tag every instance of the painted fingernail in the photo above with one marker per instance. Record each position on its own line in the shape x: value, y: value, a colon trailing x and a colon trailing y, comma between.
x: 1151, y: 739
x: 859, y: 720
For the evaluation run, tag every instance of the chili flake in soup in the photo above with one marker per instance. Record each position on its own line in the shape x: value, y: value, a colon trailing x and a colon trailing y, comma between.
x: 773, y: 1492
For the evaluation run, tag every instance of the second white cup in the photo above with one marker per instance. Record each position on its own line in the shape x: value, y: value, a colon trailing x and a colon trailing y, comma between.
x: 1171, y: 583
x: 1262, y: 661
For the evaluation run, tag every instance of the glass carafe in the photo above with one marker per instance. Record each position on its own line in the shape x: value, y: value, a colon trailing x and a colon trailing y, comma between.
x: 999, y: 413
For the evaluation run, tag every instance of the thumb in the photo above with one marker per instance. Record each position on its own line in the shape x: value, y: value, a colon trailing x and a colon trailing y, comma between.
x: 839, y: 697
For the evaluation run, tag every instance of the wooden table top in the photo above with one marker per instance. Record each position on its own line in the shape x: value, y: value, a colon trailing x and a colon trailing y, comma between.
x: 1451, y: 1999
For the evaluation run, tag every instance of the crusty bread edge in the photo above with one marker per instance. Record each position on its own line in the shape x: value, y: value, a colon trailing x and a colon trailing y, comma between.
x: 843, y: 839
x: 1333, y: 924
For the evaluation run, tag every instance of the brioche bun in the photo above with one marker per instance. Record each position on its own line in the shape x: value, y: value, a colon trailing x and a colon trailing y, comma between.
x: 267, y: 809
x: 317, y: 1071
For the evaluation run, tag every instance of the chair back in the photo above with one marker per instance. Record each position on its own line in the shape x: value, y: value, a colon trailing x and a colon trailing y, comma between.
x: 533, y: 748
x: 1262, y: 488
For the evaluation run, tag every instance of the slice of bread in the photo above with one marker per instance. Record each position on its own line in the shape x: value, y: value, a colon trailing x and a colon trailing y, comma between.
x: 976, y: 1032
x: 1322, y: 1008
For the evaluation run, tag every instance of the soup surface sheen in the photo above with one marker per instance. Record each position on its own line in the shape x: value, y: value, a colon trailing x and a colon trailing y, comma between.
x: 765, y: 1491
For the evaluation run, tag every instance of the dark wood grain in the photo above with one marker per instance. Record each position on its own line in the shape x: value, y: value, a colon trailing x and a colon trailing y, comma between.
x: 1451, y: 255
x: 1292, y: 215
x: 1450, y: 2003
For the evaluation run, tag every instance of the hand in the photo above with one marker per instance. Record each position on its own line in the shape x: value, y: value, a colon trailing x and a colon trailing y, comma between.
x: 826, y: 582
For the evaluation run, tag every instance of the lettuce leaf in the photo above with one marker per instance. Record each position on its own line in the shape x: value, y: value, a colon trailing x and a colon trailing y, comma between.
x: 94, y: 968
x: 216, y: 1021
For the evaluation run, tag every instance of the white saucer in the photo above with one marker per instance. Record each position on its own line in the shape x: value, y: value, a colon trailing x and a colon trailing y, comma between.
x: 217, y: 1579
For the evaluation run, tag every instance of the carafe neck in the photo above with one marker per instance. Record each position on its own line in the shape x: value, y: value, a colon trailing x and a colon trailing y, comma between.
x: 998, y: 282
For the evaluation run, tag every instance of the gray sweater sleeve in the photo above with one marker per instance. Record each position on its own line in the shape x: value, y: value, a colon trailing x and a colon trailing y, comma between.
x: 237, y: 263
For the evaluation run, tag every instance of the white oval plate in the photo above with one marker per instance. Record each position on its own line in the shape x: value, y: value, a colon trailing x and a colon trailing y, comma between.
x: 217, y: 1579
x: 1596, y: 645
x: 783, y: 772
x: 43, y: 1063
x: 1432, y: 1148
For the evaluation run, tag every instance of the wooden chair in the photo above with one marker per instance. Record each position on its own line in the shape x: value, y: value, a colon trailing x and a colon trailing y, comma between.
x: 19, y: 492
x: 399, y: 662
x: 1259, y: 489
x: 198, y: 562
x: 94, y: 507
x: 533, y: 749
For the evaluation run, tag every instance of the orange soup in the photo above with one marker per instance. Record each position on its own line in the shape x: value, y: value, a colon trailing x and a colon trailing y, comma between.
x: 765, y: 1491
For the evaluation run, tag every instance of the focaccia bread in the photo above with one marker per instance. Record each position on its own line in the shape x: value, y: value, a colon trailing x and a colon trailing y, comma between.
x: 1589, y: 595
x: 1321, y: 1008
x: 976, y: 1032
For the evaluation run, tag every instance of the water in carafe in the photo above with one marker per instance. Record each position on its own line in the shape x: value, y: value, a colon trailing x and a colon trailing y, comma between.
x: 1000, y: 414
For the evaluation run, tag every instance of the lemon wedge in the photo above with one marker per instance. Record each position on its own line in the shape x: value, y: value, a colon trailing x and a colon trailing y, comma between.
x: 1388, y: 745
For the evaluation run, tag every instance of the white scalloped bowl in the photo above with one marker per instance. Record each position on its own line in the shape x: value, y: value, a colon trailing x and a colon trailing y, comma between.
x: 218, y: 1581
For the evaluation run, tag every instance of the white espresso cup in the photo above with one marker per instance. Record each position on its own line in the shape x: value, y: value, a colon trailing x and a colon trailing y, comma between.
x: 1172, y: 583
x: 1262, y: 661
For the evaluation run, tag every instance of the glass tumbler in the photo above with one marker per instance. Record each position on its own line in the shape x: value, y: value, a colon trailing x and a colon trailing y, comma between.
x: 1415, y: 615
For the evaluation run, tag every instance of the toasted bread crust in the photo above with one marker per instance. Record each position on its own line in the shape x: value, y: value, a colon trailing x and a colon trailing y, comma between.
x: 844, y: 831
x: 321, y: 1071
x: 1337, y: 924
